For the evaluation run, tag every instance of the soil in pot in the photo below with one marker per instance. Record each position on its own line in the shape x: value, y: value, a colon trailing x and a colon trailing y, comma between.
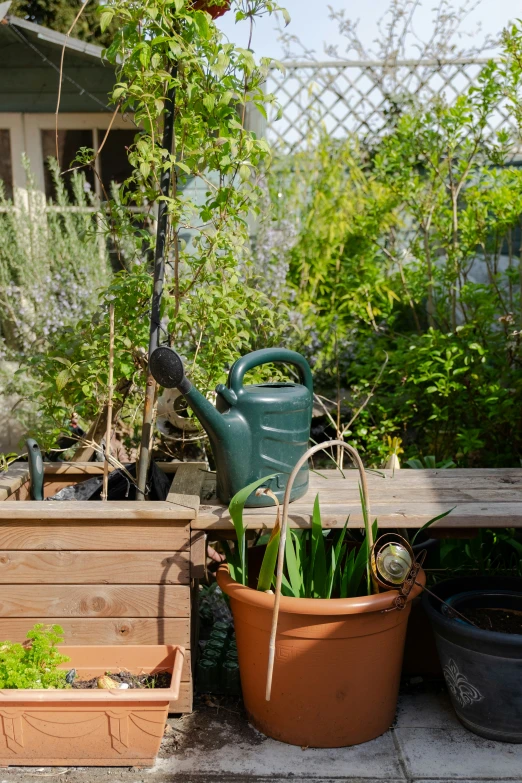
x: 127, y: 680
x: 482, y: 665
x: 337, y: 666
x: 499, y: 620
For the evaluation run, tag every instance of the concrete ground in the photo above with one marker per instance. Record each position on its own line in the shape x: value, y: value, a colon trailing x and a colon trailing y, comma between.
x: 215, y: 743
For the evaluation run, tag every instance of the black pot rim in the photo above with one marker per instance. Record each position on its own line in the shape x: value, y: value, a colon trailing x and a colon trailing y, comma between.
x: 460, y: 584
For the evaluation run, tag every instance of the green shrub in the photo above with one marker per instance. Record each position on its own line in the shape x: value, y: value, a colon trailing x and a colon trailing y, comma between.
x: 406, y: 275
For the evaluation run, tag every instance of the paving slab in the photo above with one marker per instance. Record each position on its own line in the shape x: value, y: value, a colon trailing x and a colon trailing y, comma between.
x: 224, y: 744
x: 456, y: 754
x: 428, y: 707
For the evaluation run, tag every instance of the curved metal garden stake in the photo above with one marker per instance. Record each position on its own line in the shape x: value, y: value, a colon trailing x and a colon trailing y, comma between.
x: 282, y: 541
x: 157, y: 293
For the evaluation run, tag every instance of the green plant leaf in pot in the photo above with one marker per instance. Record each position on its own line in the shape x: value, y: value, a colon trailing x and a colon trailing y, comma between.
x: 236, y: 507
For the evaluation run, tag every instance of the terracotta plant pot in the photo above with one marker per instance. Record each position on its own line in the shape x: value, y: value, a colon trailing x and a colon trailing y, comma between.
x: 117, y: 728
x: 210, y: 8
x: 337, y: 666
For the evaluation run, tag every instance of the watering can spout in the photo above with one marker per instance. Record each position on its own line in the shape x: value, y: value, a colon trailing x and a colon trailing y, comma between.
x: 167, y: 369
x: 211, y: 419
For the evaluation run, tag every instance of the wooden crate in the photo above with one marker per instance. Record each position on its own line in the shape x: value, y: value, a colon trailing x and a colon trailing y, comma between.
x: 109, y: 573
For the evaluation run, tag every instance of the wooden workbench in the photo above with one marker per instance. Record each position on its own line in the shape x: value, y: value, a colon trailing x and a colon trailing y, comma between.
x: 400, y: 499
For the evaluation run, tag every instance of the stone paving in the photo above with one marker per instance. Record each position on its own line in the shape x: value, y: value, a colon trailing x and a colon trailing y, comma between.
x: 426, y: 744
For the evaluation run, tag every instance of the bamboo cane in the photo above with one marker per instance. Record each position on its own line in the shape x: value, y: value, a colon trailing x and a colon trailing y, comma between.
x: 108, y: 431
x: 282, y: 541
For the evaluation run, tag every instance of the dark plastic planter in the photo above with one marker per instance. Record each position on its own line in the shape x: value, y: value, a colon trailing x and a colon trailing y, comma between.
x: 482, y: 669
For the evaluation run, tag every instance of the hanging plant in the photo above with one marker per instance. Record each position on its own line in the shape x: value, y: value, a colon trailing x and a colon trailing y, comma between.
x: 211, y: 8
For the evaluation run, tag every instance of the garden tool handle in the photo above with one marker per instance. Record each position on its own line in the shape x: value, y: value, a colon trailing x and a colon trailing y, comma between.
x: 265, y: 356
x: 36, y: 469
x: 354, y: 454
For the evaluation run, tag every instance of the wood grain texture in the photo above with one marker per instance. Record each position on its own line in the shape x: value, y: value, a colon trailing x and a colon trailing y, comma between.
x: 13, y: 479
x: 186, y: 486
x: 406, y: 498
x: 93, y: 511
x: 173, y: 535
x: 113, y: 630
x: 198, y: 554
x: 68, y: 473
x: 74, y: 567
x: 184, y: 702
x: 96, y: 468
x: 60, y: 601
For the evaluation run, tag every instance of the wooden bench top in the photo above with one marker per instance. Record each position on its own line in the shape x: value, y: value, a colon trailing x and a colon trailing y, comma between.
x: 400, y: 499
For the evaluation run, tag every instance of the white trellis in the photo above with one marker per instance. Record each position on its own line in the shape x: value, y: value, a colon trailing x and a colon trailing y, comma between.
x: 361, y: 96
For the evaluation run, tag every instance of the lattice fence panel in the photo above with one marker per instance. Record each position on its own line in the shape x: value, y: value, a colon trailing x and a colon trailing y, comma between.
x: 362, y: 97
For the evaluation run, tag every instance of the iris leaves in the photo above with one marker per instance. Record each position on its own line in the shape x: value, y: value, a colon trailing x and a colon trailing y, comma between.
x: 318, y: 563
x: 323, y: 564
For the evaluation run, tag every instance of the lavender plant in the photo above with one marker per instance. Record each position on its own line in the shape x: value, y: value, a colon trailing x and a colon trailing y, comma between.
x: 51, y: 266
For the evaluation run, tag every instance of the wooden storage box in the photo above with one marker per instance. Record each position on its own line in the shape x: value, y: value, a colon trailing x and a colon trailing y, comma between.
x: 109, y: 573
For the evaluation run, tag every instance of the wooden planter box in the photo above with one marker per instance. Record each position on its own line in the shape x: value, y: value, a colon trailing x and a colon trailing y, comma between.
x: 109, y: 573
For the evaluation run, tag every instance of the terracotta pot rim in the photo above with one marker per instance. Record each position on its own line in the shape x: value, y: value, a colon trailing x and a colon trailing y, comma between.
x: 313, y: 606
x: 107, y: 696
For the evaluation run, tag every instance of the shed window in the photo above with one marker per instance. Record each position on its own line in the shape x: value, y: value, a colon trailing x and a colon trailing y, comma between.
x: 6, y: 168
x: 112, y: 164
x: 69, y: 142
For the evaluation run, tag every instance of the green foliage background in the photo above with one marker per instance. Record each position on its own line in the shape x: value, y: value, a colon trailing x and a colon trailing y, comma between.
x: 399, y: 274
x: 60, y: 14
x: 406, y: 274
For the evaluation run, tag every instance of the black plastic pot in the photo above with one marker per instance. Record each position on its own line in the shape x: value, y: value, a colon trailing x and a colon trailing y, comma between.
x: 482, y: 669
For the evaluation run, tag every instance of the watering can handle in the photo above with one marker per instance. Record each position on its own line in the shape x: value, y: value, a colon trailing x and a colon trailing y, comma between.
x: 265, y: 356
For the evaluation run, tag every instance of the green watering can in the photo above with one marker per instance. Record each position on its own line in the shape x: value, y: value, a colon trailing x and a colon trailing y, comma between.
x: 254, y: 431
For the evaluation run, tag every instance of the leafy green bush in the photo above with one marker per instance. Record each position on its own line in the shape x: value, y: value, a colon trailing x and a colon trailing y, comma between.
x: 213, y: 309
x: 406, y: 274
x: 34, y: 665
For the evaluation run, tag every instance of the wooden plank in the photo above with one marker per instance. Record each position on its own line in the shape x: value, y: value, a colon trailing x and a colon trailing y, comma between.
x: 12, y: 479
x: 198, y: 554
x: 412, y: 515
x: 350, y: 496
x: 80, y: 567
x: 173, y: 535
x: 108, y: 631
x: 331, y: 480
x: 184, y: 702
x: 96, y: 468
x: 93, y: 511
x: 57, y: 601
x: 404, y: 498
x: 186, y: 486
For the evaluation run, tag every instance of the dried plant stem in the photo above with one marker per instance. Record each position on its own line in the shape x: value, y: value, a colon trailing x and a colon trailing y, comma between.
x: 67, y: 34
x: 108, y: 431
x: 354, y: 454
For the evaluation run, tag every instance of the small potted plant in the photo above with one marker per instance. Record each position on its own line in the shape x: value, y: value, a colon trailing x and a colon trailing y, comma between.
x: 88, y: 706
x: 339, y: 645
x: 215, y: 8
x: 478, y: 630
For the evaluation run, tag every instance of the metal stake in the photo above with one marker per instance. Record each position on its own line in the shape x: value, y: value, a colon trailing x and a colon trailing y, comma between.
x: 159, y: 276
